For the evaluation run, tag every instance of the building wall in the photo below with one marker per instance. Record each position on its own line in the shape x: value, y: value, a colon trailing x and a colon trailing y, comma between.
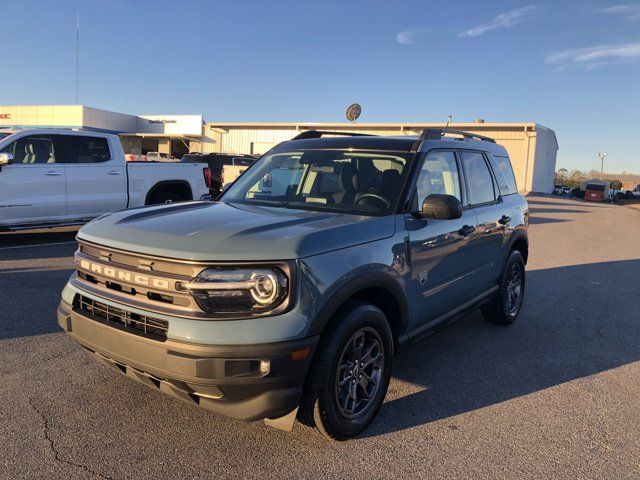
x: 532, y: 148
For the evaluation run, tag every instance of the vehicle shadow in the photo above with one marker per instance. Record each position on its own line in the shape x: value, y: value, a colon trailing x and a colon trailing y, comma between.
x: 25, y: 246
x: 533, y: 220
x: 559, y: 337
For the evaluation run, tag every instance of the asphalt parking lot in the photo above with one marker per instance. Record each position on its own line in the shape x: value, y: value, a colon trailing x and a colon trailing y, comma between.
x: 555, y: 395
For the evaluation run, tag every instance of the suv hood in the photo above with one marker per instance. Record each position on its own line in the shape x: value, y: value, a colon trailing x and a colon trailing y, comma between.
x: 206, y: 231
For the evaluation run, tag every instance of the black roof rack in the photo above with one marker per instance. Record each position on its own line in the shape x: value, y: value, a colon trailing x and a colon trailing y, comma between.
x: 438, y: 133
x: 320, y: 133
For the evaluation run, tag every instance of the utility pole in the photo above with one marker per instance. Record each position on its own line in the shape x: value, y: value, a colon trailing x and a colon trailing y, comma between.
x: 77, y: 50
x: 602, y: 156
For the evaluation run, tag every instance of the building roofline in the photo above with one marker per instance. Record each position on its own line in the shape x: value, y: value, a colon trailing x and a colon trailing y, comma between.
x: 408, y: 125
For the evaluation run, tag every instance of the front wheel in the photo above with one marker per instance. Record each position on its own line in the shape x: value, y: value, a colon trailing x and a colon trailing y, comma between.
x: 350, y: 373
x: 506, y: 305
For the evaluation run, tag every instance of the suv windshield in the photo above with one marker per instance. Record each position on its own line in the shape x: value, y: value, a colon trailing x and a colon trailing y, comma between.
x: 3, y: 135
x: 361, y: 183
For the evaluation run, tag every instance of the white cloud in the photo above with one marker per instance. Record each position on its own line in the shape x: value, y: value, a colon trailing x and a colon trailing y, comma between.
x: 504, y: 20
x: 408, y: 37
x: 596, y: 56
x: 628, y: 10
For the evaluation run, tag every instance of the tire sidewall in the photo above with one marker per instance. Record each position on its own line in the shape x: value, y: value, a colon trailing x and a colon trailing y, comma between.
x: 326, y: 410
x: 514, y: 258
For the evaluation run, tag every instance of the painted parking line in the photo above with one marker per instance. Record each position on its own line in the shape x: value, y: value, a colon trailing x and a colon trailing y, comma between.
x: 15, y: 247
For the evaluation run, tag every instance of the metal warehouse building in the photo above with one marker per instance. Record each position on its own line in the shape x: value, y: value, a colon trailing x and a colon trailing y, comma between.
x: 531, y: 146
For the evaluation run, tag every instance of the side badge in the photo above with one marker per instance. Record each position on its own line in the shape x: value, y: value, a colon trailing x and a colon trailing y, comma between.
x: 423, y: 277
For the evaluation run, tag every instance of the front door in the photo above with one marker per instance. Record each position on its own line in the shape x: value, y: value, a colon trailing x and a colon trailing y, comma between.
x: 440, y: 277
x: 96, y: 181
x: 32, y: 189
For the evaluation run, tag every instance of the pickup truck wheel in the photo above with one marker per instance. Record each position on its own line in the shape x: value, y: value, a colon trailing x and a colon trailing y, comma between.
x: 505, y: 306
x: 164, y: 197
x: 350, y: 373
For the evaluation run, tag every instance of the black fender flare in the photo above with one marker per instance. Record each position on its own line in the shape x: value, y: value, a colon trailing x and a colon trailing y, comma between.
x: 358, y: 284
x: 518, y: 234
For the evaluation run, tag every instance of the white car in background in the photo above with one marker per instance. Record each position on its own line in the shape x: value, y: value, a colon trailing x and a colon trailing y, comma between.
x: 160, y: 157
x: 66, y: 177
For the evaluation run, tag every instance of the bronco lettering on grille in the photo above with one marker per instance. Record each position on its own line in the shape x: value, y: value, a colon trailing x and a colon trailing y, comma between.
x: 123, y: 275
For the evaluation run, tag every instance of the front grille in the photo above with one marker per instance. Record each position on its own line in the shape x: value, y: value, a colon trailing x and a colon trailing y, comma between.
x: 122, y: 319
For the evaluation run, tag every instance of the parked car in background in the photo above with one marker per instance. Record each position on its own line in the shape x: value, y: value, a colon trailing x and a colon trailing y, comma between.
x: 289, y: 298
x: 225, y: 168
x: 160, y: 157
x: 65, y: 177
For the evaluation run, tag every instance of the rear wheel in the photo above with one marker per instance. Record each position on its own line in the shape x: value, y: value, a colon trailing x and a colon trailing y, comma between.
x: 350, y: 373
x: 506, y: 305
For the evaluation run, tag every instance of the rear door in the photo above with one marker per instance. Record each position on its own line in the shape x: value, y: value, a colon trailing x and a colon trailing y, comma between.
x: 32, y: 189
x: 96, y: 181
x: 439, y: 249
x: 483, y: 198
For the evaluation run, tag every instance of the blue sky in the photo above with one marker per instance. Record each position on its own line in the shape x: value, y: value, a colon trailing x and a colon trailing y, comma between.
x: 573, y: 66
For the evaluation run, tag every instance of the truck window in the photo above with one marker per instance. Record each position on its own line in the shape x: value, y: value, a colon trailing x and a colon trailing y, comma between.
x: 438, y: 175
x: 32, y: 149
x: 478, y: 178
x: 81, y: 149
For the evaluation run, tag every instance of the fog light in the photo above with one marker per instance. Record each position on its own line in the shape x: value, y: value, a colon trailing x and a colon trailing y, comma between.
x: 247, y: 368
x: 265, y: 366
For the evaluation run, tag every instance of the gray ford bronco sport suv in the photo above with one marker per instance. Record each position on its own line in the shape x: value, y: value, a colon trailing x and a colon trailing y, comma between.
x: 289, y: 296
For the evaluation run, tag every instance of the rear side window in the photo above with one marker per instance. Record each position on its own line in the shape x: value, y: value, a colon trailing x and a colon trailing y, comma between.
x: 82, y: 149
x: 506, y: 181
x: 478, y: 178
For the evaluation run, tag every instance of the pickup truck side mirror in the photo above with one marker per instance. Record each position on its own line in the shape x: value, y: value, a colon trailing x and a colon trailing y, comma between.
x: 5, y: 159
x: 441, y: 207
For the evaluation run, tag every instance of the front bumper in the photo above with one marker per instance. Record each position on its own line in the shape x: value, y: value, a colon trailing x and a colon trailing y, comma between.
x: 199, y: 374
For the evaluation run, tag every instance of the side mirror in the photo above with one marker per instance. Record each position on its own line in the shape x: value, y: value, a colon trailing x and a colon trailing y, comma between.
x: 5, y: 159
x: 441, y: 207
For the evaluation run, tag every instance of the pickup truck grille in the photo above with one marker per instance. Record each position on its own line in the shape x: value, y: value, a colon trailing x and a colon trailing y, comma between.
x: 137, y: 280
x: 137, y: 324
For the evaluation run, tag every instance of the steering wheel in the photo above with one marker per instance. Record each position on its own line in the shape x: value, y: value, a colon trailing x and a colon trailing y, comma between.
x: 386, y: 202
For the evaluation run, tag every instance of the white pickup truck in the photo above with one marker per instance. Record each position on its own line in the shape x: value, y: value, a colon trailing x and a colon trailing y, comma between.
x: 67, y: 177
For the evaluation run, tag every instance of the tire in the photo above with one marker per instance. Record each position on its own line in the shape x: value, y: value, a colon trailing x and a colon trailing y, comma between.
x: 507, y: 303
x: 165, y: 197
x: 323, y: 406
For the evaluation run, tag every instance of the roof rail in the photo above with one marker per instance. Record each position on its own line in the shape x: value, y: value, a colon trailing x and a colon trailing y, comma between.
x: 320, y: 133
x: 438, y: 133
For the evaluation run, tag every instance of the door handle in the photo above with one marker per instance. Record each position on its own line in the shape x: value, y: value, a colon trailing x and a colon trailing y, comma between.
x: 467, y: 230
x: 504, y: 220
x: 53, y: 173
x: 114, y: 172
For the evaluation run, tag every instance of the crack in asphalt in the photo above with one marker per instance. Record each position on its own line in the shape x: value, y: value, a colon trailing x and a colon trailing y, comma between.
x: 53, y: 448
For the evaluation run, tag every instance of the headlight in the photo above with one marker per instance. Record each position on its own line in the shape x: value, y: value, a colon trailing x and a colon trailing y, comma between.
x: 239, y: 290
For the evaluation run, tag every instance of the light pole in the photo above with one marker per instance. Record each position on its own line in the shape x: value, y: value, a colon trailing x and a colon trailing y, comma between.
x: 602, y: 156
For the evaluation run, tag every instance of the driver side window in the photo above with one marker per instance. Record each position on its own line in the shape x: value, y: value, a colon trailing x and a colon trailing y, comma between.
x: 438, y: 175
x: 35, y: 149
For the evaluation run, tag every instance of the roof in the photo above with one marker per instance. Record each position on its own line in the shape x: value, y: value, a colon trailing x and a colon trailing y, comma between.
x: 384, y: 143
